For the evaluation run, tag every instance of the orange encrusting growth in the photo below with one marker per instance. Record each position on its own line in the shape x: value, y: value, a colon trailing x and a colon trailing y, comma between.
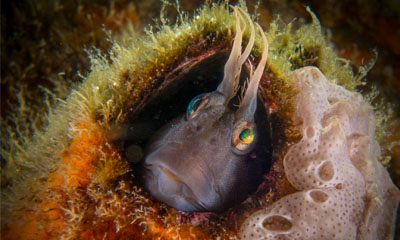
x: 77, y: 169
x: 47, y: 218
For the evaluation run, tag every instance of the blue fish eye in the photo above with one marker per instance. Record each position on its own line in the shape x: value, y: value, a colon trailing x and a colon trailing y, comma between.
x: 196, y: 103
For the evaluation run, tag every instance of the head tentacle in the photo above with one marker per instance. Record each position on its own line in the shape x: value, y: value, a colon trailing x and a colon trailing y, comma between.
x: 249, y: 104
x: 236, y: 59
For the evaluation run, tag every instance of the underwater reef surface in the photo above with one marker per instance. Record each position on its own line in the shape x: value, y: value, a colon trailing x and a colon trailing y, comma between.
x: 63, y: 174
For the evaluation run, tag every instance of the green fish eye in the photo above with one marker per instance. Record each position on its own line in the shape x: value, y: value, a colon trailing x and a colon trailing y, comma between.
x: 247, y: 136
x: 243, y: 136
x: 194, y: 104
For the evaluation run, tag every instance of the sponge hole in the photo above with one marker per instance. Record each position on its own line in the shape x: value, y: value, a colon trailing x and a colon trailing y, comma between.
x: 310, y: 132
x: 326, y: 171
x: 277, y: 223
x: 319, y: 196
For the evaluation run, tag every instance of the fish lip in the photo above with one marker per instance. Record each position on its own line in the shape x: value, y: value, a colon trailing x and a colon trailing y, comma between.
x: 194, y: 201
x: 171, y: 175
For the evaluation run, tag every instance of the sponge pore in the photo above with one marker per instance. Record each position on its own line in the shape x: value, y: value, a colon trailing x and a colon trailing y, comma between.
x: 343, y: 191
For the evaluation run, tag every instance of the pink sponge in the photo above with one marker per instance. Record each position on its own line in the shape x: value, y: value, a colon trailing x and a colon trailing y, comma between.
x: 344, y: 192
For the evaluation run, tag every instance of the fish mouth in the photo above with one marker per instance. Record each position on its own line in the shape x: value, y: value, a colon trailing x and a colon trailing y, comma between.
x: 172, y: 176
x: 167, y: 187
x: 185, y: 195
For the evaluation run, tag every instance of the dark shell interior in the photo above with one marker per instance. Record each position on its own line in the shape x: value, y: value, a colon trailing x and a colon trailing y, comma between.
x: 171, y: 98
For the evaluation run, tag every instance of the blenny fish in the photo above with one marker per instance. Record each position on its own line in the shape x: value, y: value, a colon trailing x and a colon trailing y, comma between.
x: 203, y: 161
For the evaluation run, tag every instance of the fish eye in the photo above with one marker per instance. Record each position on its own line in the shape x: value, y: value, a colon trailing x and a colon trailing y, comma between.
x: 243, y: 136
x: 196, y: 104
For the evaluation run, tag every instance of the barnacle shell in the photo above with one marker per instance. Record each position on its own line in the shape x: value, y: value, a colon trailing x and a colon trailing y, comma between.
x: 73, y: 180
